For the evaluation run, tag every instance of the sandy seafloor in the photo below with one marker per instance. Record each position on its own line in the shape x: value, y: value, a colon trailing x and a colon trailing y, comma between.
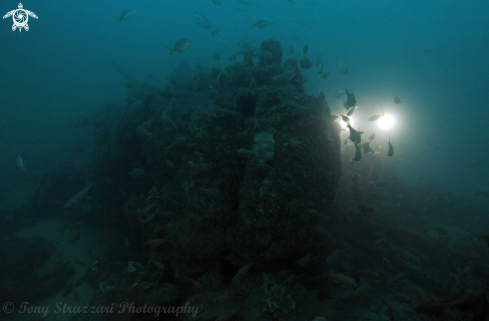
x: 90, y: 237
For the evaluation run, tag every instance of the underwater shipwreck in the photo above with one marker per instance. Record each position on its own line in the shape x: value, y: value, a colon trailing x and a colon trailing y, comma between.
x: 229, y: 191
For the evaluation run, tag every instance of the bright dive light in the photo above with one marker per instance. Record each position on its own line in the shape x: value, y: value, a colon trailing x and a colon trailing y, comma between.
x: 386, y: 122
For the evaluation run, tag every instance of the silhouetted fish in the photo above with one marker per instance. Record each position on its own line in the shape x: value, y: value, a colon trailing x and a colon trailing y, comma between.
x: 391, y: 149
x: 351, y: 101
x: 201, y: 20
x: 367, y: 149
x: 78, y: 196
x: 180, y: 45
x: 126, y: 15
x: 376, y: 117
x: 355, y: 135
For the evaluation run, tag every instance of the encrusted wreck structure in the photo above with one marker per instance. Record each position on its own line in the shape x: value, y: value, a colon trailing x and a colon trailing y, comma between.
x: 228, y: 169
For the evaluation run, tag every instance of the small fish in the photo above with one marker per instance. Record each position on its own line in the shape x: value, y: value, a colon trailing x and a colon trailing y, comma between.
x: 372, y: 137
x: 305, y: 260
x: 343, y: 280
x: 345, y: 118
x: 367, y: 149
x: 243, y: 271
x: 126, y: 15
x: 262, y: 23
x: 355, y: 135
x: 284, y: 77
x: 401, y: 298
x: 212, y: 193
x: 391, y: 149
x: 305, y: 63
x: 334, y: 257
x: 305, y: 49
x: 201, y: 20
x: 351, y: 101
x: 216, y: 56
x: 397, y: 100
x: 137, y: 172
x: 78, y: 196
x: 379, y: 183
x: 326, y: 75
x: 20, y: 163
x: 376, y: 117
x: 215, y: 30
x: 301, y: 21
x: 141, y: 130
x: 223, y: 43
x: 158, y: 264
x: 217, y: 2
x: 180, y: 46
x: 350, y: 112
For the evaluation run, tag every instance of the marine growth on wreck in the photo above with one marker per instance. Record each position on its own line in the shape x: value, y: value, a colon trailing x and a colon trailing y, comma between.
x: 230, y: 193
